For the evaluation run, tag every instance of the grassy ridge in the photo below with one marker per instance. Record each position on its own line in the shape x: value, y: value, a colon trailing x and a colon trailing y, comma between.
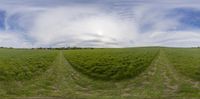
x: 111, y: 64
x: 24, y: 64
x: 186, y: 61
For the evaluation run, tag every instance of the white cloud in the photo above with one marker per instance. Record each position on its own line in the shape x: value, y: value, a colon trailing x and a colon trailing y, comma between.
x: 93, y: 26
x: 8, y: 39
x: 172, y: 38
x: 75, y: 25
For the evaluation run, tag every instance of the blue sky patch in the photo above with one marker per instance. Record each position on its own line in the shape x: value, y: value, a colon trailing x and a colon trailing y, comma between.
x: 189, y: 17
x: 2, y: 19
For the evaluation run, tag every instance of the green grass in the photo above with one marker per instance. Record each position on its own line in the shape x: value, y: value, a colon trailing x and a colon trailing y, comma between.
x: 111, y: 64
x: 160, y: 79
x: 186, y: 61
x: 24, y: 64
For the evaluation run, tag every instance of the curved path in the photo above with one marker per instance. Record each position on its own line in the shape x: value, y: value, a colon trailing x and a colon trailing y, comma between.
x: 159, y: 80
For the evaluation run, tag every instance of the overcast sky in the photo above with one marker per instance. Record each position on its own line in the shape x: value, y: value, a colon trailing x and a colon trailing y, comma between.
x: 99, y: 23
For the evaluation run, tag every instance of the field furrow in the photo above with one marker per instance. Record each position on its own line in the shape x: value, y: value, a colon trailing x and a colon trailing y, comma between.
x: 159, y: 80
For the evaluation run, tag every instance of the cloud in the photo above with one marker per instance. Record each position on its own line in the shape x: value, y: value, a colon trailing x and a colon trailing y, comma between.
x: 75, y: 25
x: 151, y: 18
x: 167, y: 25
x: 8, y: 39
x: 120, y: 23
x: 172, y: 38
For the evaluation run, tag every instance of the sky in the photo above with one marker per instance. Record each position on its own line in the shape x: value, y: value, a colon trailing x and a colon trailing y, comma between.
x: 99, y: 23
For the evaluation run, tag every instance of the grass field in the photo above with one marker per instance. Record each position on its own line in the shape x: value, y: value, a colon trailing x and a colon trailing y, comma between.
x: 129, y: 73
x: 111, y: 64
x: 186, y: 61
x: 24, y: 64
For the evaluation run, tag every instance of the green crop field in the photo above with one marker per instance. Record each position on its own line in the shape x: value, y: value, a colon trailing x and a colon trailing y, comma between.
x: 186, y: 61
x: 111, y: 64
x: 103, y: 73
x: 23, y: 64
